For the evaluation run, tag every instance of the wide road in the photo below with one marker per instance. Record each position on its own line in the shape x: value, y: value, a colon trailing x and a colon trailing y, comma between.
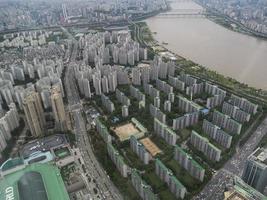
x: 215, y: 188
x: 106, y: 189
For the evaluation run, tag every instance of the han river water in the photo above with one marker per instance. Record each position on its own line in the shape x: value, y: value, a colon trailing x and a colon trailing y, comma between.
x: 230, y: 53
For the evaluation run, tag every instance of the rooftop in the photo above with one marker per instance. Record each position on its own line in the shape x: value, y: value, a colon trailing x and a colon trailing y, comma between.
x: 260, y: 156
x: 234, y: 195
x: 44, y: 178
x: 150, y: 146
x: 43, y: 144
x: 11, y: 163
x: 242, y: 191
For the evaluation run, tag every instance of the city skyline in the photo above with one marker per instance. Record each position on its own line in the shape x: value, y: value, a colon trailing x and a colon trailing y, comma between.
x: 93, y: 107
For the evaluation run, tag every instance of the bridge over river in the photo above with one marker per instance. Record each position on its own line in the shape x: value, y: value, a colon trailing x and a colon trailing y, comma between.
x: 184, y: 13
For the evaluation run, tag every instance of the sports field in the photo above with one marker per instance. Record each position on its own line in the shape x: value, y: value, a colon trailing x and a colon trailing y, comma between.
x: 124, y: 132
x: 150, y: 146
x: 35, y: 181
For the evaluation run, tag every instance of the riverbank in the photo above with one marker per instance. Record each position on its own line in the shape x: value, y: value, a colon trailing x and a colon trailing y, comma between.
x: 230, y: 23
x: 230, y: 84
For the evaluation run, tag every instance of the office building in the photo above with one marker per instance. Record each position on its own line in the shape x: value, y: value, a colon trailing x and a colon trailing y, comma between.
x: 34, y: 113
x: 46, y: 97
x: 242, y: 191
x: 255, y: 171
x: 58, y: 109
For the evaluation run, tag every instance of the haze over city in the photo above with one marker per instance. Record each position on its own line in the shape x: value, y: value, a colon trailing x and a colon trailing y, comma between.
x: 133, y: 99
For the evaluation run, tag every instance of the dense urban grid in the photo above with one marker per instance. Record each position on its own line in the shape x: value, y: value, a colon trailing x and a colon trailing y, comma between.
x: 96, y: 112
x: 17, y: 14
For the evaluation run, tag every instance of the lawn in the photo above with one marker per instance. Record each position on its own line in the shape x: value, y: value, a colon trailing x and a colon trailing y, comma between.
x: 184, y: 134
x: 166, y: 195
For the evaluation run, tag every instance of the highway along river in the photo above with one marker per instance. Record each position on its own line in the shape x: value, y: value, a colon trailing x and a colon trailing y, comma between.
x: 197, y: 38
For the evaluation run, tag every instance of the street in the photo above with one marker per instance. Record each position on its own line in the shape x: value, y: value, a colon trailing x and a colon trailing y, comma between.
x: 215, y: 188
x: 99, y: 178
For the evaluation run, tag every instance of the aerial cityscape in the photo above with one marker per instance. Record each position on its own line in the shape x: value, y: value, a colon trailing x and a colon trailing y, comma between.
x: 133, y: 100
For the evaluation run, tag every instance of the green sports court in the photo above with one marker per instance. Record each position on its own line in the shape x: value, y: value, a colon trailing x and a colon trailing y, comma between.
x: 35, y: 181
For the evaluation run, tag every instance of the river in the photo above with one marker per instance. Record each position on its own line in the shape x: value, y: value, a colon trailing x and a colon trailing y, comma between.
x: 230, y: 53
